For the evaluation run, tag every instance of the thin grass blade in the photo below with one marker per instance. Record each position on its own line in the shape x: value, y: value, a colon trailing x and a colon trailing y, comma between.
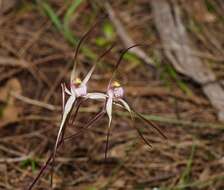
x: 67, y: 18
x: 52, y: 15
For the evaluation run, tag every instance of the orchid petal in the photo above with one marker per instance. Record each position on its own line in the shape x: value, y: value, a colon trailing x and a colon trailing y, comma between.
x: 67, y: 91
x: 87, y: 77
x: 63, y: 97
x: 140, y: 116
x: 120, y: 59
x: 79, y: 91
x: 125, y: 105
x: 142, y: 136
x: 150, y: 123
x: 67, y: 110
x: 74, y: 72
x: 109, y: 104
x: 96, y: 96
x: 109, y: 109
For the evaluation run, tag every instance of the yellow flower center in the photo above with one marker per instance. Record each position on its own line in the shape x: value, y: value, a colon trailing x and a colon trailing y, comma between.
x: 77, y: 81
x: 116, y: 84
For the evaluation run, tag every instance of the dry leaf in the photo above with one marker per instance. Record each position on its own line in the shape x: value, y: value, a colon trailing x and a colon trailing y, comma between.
x: 10, y: 111
x: 119, y: 183
x: 12, y: 85
x: 221, y: 161
x: 173, y: 33
x: 118, y: 151
x: 205, y: 174
x: 57, y: 181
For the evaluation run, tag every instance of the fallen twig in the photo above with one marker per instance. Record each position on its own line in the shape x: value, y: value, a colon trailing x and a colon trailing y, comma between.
x: 173, y: 33
x: 35, y: 102
x: 126, y: 38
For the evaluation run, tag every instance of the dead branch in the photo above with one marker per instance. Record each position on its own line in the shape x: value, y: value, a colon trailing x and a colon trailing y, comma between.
x: 173, y: 33
x: 125, y: 37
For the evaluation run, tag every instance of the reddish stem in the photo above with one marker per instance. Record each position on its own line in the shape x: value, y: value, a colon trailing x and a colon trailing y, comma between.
x: 88, y: 125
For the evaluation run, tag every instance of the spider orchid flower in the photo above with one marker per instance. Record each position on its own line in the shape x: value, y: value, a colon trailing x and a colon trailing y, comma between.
x: 78, y: 90
x: 115, y: 96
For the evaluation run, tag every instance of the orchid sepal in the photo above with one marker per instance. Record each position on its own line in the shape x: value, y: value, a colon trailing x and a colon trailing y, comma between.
x: 96, y: 96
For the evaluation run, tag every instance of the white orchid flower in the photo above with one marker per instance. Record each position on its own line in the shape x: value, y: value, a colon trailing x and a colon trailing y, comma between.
x: 78, y: 90
x: 115, y: 96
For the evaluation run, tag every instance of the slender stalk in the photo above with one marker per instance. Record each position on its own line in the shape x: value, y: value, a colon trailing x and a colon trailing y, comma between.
x: 88, y: 125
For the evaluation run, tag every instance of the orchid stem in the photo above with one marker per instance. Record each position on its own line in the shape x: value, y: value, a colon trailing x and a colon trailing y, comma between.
x: 88, y: 125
